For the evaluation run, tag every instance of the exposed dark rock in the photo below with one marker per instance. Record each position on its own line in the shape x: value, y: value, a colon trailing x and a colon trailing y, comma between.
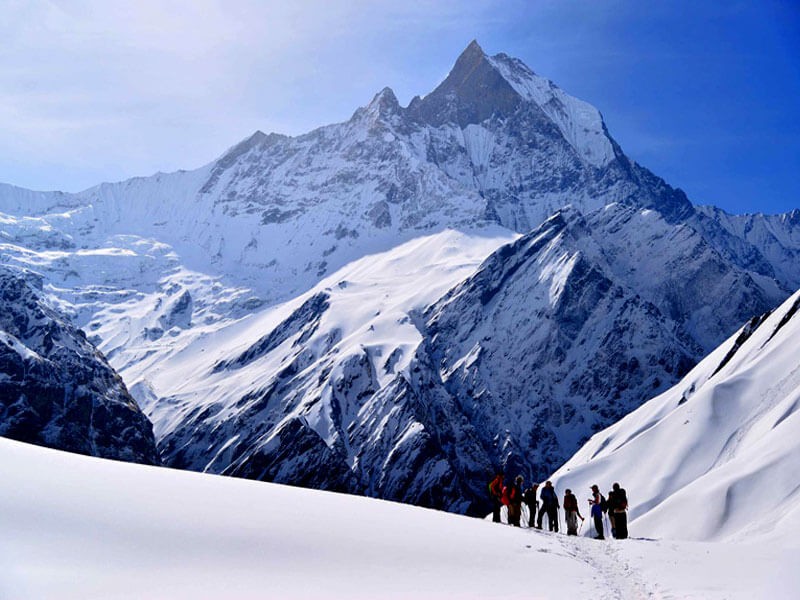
x: 56, y: 389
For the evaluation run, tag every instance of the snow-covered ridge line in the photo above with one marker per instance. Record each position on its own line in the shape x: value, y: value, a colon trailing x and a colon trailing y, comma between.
x: 715, y: 457
x: 579, y: 122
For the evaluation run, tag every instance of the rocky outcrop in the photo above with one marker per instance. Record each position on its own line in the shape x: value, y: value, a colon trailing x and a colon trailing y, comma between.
x: 56, y: 389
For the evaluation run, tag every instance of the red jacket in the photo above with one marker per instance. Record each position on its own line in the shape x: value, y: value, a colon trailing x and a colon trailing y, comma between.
x: 512, y: 495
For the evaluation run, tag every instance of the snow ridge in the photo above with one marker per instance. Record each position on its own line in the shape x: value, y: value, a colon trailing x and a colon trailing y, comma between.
x: 724, y: 438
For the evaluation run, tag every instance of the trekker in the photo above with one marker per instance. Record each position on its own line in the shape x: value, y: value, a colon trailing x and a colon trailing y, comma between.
x: 549, y: 506
x: 496, y: 495
x: 515, y: 501
x: 529, y: 497
x: 571, y: 512
x: 620, y: 507
x: 610, y: 504
x: 598, y: 504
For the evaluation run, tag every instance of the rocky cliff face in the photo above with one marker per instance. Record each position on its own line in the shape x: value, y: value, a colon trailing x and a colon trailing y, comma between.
x: 56, y: 389
x: 576, y: 324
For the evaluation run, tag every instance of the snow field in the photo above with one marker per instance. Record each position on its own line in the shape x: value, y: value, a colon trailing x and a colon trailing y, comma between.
x: 370, y: 306
x: 78, y: 527
x: 87, y: 528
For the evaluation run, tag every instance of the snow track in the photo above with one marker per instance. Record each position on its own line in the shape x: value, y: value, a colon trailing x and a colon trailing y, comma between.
x: 621, y: 581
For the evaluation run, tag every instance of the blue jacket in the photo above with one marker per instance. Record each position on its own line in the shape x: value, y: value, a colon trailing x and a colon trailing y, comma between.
x: 597, y: 509
x: 549, y: 498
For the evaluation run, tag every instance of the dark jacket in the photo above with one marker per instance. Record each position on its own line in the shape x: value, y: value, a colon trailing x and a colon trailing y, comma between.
x: 514, y: 495
x: 549, y: 498
x: 597, y: 504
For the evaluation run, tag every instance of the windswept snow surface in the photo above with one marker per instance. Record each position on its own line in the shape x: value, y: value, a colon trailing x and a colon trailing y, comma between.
x: 717, y: 457
x: 86, y: 528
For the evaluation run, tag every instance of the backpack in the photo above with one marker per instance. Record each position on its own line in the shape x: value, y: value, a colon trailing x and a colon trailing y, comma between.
x: 603, y: 503
x: 620, y: 500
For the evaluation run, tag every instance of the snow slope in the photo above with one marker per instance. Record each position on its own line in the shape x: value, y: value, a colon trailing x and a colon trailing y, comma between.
x: 86, y: 528
x: 410, y: 374
x: 316, y: 391
x: 717, y: 456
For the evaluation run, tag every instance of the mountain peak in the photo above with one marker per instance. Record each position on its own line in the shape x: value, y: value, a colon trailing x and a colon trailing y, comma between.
x: 481, y: 86
x: 472, y: 51
x: 472, y: 92
x: 384, y: 101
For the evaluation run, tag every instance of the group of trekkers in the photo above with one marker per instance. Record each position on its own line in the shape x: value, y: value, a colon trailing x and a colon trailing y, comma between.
x: 614, y: 505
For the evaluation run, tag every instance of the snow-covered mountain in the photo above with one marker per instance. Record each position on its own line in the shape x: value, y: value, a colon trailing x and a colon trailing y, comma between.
x: 56, y: 389
x: 380, y: 381
x: 493, y: 142
x: 576, y: 324
x: 339, y: 310
x: 717, y: 456
x: 326, y: 390
x: 776, y: 238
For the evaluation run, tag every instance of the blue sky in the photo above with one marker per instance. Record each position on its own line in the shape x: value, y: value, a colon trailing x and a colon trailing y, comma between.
x: 705, y: 94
